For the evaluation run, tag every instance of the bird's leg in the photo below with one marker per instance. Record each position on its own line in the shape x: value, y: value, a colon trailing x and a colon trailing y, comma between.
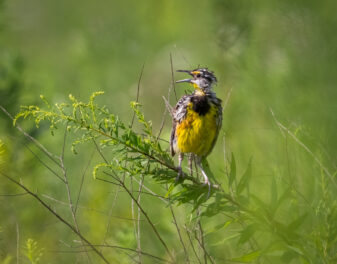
x: 202, y: 171
x: 190, y: 163
x: 204, y: 175
x: 196, y: 168
x: 180, y: 170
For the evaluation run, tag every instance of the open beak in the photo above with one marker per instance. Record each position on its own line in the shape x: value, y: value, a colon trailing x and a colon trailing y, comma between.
x: 189, y: 72
x: 185, y: 80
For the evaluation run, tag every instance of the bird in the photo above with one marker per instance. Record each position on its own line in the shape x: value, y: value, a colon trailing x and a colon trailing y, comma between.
x: 196, y: 120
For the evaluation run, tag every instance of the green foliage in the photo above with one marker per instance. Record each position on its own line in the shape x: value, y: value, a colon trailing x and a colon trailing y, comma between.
x: 140, y: 153
x: 134, y: 153
x: 33, y: 252
x: 93, y: 122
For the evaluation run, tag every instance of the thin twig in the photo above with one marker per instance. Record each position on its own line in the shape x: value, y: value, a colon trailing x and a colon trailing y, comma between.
x: 37, y: 143
x: 117, y: 191
x: 43, y: 163
x: 13, y: 194
x: 104, y: 180
x: 172, y: 74
x: 136, y: 227
x: 133, y: 212
x: 206, y: 254
x: 131, y: 249
x: 138, y: 217
x: 65, y: 178
x: 146, y: 216
x: 179, y: 233
x: 82, y: 181
x: 191, y: 243
x: 66, y: 251
x: 138, y: 88
x: 227, y: 99
x: 66, y: 182
x: 152, y: 193
x: 110, y: 214
x: 35, y: 196
x: 100, y: 152
x: 168, y: 108
x: 133, y: 208
x: 131, y: 257
x: 201, y: 234
x: 87, y: 208
x: 167, y: 102
x: 164, y: 199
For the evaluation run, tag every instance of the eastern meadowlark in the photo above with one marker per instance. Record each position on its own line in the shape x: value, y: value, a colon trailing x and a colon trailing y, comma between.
x: 197, y: 119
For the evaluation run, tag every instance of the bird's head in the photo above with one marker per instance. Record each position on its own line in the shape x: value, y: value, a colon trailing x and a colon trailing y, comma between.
x: 202, y: 80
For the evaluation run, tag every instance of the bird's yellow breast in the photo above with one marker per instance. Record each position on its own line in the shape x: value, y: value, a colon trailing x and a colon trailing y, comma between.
x: 196, y: 133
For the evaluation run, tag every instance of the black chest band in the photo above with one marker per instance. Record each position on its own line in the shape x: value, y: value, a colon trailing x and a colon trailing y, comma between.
x: 200, y: 105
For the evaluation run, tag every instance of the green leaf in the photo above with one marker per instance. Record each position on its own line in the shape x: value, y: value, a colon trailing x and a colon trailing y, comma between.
x: 286, y: 195
x: 232, y: 174
x: 202, y: 198
x: 170, y: 189
x: 296, y: 249
x: 223, y: 225
x: 217, y: 207
x: 221, y: 243
x: 247, y: 233
x: 33, y: 252
x: 244, y: 181
x: 250, y: 257
x: 275, y: 249
x: 294, y: 225
x: 261, y: 204
x: 43, y: 98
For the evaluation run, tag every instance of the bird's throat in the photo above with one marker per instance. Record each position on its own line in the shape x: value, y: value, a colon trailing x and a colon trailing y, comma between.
x: 198, y: 90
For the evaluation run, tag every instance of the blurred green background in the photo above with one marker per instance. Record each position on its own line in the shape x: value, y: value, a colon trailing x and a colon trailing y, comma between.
x: 279, y: 55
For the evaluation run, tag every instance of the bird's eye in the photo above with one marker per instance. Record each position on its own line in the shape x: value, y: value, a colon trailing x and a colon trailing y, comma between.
x: 198, y: 75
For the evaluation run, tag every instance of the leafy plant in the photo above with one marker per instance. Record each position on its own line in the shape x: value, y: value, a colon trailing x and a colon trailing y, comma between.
x: 132, y: 153
x: 33, y: 252
x: 245, y: 220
